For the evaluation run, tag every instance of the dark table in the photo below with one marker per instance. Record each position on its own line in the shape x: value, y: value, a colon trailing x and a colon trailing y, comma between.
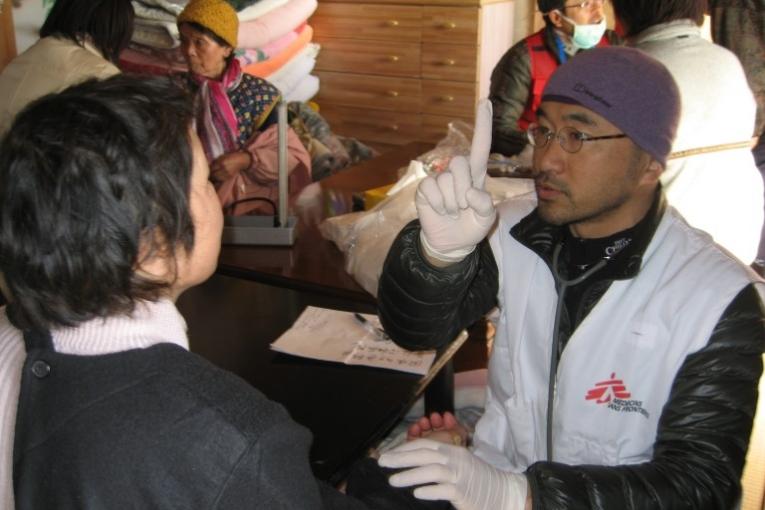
x: 348, y: 408
x: 256, y: 295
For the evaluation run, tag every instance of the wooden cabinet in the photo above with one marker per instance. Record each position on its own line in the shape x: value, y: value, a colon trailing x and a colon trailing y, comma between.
x: 7, y: 37
x: 394, y: 71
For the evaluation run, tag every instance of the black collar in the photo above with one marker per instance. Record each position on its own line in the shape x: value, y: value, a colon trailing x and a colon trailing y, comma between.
x: 542, y: 237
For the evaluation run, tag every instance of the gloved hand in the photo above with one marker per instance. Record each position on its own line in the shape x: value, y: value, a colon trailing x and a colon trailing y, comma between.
x: 456, y: 475
x: 455, y: 211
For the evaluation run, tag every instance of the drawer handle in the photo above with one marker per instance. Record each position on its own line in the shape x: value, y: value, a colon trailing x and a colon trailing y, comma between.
x: 449, y: 62
x: 450, y: 25
x: 394, y: 127
x: 394, y: 58
x: 393, y: 93
x: 392, y: 23
x: 447, y: 99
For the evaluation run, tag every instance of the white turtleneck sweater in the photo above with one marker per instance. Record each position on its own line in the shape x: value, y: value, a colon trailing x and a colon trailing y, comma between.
x: 150, y: 324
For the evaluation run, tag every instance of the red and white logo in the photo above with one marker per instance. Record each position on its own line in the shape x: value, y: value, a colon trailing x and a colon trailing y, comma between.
x: 613, y: 392
x: 604, y: 391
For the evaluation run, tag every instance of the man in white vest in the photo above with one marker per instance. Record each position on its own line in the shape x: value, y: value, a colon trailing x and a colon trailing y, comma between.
x: 628, y: 349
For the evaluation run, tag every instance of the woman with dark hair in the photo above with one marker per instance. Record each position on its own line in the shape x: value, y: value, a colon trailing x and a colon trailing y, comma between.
x: 80, y: 39
x: 106, y: 216
x: 236, y: 115
x: 711, y: 177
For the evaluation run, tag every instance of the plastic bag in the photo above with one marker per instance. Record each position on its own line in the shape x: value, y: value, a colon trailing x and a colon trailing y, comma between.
x: 455, y: 143
x: 366, y: 237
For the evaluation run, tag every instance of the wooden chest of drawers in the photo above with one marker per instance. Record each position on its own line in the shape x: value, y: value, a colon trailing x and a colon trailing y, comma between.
x: 394, y: 71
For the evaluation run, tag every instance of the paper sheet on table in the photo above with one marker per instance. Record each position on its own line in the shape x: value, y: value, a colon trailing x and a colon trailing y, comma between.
x: 333, y: 335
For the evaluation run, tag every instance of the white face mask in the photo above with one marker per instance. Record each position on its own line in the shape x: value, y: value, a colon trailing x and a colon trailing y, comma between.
x: 586, y: 36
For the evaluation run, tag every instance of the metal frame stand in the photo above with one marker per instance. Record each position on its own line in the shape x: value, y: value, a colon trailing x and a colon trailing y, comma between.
x: 267, y: 230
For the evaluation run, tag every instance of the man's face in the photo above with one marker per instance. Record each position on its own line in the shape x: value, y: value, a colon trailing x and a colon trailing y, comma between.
x: 582, y: 12
x: 605, y: 187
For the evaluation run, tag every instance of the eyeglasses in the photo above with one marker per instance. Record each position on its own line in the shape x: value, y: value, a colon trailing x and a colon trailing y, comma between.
x: 586, y: 4
x: 569, y: 138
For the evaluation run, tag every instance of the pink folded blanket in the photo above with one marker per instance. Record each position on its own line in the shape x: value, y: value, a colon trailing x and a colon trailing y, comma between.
x: 274, y: 24
x: 254, y: 55
x: 267, y: 67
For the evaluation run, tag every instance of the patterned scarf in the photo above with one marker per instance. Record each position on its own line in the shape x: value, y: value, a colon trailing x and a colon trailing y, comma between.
x: 216, y: 118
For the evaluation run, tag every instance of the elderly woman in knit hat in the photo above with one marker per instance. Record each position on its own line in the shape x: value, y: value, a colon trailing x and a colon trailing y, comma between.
x: 235, y: 114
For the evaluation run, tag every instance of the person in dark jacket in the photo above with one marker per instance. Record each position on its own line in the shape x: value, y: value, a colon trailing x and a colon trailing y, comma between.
x: 520, y: 75
x: 106, y: 216
x: 624, y: 370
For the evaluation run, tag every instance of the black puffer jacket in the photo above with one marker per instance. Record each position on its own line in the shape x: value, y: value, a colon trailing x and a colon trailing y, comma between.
x: 704, y: 428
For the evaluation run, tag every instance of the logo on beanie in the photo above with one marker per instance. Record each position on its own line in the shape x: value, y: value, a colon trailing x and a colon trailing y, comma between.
x: 582, y: 88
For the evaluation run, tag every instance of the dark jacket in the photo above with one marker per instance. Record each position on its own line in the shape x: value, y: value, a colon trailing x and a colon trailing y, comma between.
x: 704, y: 428
x: 156, y: 428
x: 739, y: 25
x: 510, y: 91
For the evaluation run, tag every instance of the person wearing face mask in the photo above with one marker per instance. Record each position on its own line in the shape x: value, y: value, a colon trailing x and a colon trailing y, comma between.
x: 711, y: 176
x: 521, y: 74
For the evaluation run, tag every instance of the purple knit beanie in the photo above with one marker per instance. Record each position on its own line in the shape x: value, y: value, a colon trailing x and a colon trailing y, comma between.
x: 628, y: 88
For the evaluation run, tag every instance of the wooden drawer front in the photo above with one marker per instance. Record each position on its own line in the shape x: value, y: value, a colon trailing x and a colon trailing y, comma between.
x: 369, y: 57
x: 367, y: 91
x: 448, y: 98
x: 449, y: 62
x: 386, y: 127
x: 367, y: 21
x: 451, y: 25
x: 435, y: 127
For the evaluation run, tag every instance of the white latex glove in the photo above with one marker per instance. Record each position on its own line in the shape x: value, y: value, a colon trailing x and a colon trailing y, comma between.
x: 455, y: 475
x: 454, y: 209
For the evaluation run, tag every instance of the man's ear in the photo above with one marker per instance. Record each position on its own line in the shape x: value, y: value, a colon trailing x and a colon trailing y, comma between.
x: 652, y: 172
x: 555, y: 18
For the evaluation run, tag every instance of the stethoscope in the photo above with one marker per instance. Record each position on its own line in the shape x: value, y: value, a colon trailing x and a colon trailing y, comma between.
x: 561, y: 285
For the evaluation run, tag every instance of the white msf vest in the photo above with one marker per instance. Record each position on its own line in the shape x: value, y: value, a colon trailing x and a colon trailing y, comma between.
x: 617, y: 369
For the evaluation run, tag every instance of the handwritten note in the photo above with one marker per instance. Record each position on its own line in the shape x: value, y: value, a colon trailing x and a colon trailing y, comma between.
x: 333, y: 335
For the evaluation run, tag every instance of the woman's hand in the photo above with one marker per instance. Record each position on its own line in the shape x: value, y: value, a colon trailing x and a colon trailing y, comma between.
x: 443, y: 428
x: 228, y: 165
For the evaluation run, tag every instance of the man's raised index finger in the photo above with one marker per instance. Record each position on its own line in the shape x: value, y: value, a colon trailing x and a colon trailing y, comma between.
x: 481, y: 146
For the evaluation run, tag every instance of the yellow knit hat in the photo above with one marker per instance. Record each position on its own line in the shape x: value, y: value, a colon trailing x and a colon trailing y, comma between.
x: 215, y: 15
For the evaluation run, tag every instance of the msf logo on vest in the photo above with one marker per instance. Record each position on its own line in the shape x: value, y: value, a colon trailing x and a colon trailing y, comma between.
x: 613, y: 394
